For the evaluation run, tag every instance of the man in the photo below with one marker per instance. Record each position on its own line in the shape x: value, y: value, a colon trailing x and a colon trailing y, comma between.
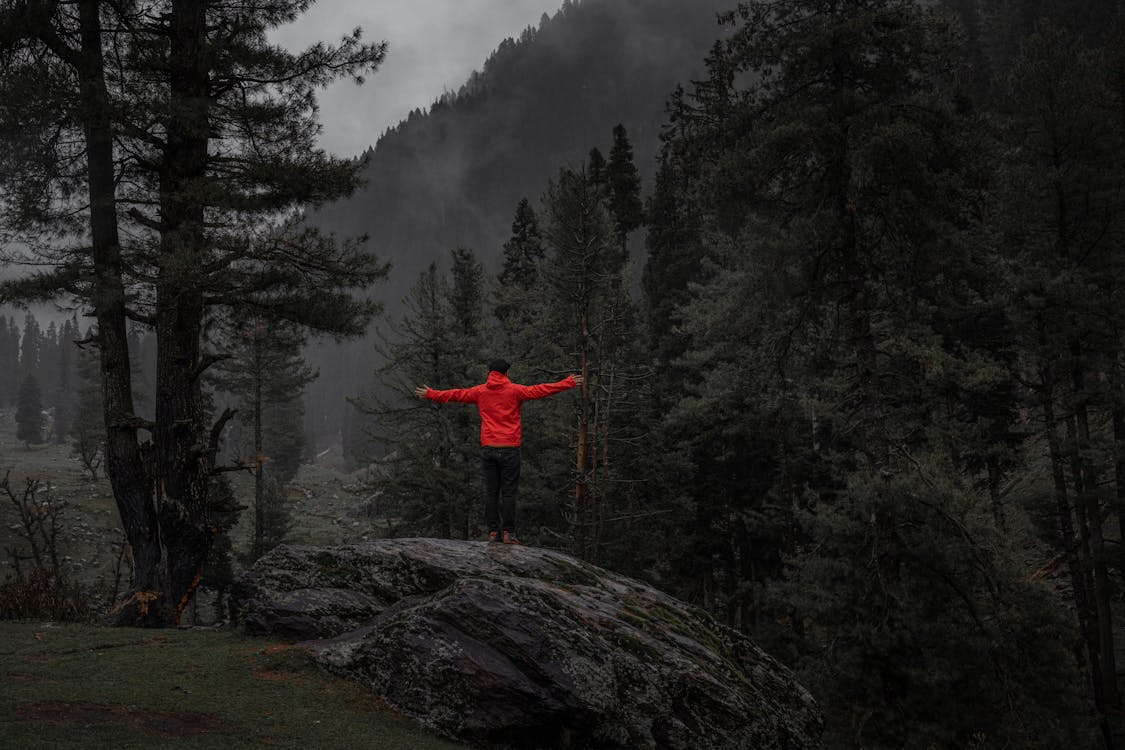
x: 499, y: 401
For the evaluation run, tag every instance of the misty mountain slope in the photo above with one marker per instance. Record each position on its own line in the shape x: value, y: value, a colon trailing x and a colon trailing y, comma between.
x: 452, y: 177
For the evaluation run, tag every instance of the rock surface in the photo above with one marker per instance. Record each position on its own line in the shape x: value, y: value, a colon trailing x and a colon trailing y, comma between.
x: 507, y: 646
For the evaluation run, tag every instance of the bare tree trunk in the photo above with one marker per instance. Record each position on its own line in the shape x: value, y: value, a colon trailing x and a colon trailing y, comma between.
x: 1067, y: 532
x: 603, y: 468
x: 1119, y: 475
x: 125, y: 464
x: 182, y: 451
x: 997, y: 502
x: 581, y: 458
x: 1087, y: 482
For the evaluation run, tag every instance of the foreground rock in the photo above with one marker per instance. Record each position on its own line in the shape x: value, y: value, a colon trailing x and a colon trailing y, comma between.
x: 513, y: 646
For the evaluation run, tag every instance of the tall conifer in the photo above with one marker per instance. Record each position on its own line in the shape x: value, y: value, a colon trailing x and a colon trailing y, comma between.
x: 217, y: 126
x: 29, y: 412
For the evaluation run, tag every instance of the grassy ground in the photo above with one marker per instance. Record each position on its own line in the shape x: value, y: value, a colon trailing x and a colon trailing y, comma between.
x: 89, y: 687
x: 70, y: 686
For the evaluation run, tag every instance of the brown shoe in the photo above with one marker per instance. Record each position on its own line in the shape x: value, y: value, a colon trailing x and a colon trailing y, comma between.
x: 510, y: 538
x: 493, y: 537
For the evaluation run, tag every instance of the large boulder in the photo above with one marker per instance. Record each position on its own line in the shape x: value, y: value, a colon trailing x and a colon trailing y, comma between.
x: 508, y: 646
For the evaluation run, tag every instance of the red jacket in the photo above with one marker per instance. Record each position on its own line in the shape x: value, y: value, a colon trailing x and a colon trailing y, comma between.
x: 499, y: 401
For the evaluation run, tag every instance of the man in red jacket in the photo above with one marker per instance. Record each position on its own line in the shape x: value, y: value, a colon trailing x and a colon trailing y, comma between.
x: 499, y: 400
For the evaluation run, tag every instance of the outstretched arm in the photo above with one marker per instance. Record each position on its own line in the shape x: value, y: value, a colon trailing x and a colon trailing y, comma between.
x: 542, y: 390
x: 463, y: 395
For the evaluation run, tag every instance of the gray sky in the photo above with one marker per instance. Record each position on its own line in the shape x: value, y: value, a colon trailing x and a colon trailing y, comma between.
x: 433, y: 46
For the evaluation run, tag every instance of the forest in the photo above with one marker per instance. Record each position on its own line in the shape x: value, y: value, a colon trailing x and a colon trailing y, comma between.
x: 854, y: 352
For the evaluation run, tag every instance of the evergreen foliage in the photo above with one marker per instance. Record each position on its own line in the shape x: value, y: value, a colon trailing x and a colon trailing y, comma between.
x: 218, y: 568
x: 9, y: 360
x: 429, y: 476
x: 904, y: 652
x: 199, y: 137
x: 31, y: 345
x: 624, y: 182
x: 29, y: 411
x: 1063, y: 230
x: 63, y: 395
x: 845, y: 342
x: 265, y: 374
x: 87, y: 431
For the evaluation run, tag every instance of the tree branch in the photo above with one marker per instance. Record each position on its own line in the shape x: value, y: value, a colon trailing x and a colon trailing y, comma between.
x: 206, y: 362
x: 216, y: 433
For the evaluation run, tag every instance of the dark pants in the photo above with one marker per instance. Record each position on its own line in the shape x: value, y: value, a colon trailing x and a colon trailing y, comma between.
x: 501, y: 467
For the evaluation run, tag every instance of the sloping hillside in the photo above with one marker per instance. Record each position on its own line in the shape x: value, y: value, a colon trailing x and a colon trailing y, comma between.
x: 451, y: 177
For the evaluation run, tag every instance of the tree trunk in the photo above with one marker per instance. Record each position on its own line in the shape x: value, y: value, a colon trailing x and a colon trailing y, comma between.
x: 1087, y: 481
x: 1119, y: 475
x: 1067, y: 531
x: 998, y: 515
x: 125, y: 463
x: 259, y: 547
x: 581, y: 459
x: 181, y: 446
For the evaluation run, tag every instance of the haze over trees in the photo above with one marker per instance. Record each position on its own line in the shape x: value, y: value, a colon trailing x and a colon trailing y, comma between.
x: 848, y: 304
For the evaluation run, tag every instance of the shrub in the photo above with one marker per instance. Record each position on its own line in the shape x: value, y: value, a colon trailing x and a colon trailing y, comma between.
x: 44, y: 595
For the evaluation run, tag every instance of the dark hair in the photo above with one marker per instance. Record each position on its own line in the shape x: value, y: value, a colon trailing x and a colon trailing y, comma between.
x: 499, y: 365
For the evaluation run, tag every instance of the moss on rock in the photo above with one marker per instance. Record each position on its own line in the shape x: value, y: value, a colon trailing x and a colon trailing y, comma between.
x: 523, y: 647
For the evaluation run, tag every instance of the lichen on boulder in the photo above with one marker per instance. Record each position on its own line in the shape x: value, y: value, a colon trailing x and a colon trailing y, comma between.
x: 507, y: 646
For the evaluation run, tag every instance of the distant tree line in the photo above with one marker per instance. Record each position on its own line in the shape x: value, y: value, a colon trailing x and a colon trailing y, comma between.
x: 865, y: 405
x: 44, y: 379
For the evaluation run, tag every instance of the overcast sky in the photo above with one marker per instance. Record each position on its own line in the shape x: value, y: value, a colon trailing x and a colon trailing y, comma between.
x: 433, y: 46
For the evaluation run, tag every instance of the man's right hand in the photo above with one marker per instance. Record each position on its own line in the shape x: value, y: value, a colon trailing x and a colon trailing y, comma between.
x: 421, y: 390
x: 579, y: 380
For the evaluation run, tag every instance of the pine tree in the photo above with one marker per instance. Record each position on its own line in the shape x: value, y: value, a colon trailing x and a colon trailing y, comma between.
x: 31, y: 346
x: 266, y: 375
x: 9, y: 361
x: 518, y: 305
x: 624, y: 184
x: 222, y: 126
x: 63, y: 398
x: 588, y: 325
x: 48, y: 372
x: 597, y: 170
x: 218, y: 569
x: 87, y: 431
x: 29, y: 412
x: 674, y: 262
x: 430, y: 474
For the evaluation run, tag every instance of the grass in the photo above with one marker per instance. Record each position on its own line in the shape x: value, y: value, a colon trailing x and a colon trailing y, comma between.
x: 76, y: 686
x: 72, y: 686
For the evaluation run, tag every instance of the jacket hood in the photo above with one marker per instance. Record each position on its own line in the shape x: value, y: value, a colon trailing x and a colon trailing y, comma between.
x: 497, y: 379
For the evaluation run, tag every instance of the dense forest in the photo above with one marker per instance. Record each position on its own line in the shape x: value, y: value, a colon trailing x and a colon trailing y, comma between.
x: 863, y: 407
x: 849, y: 323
